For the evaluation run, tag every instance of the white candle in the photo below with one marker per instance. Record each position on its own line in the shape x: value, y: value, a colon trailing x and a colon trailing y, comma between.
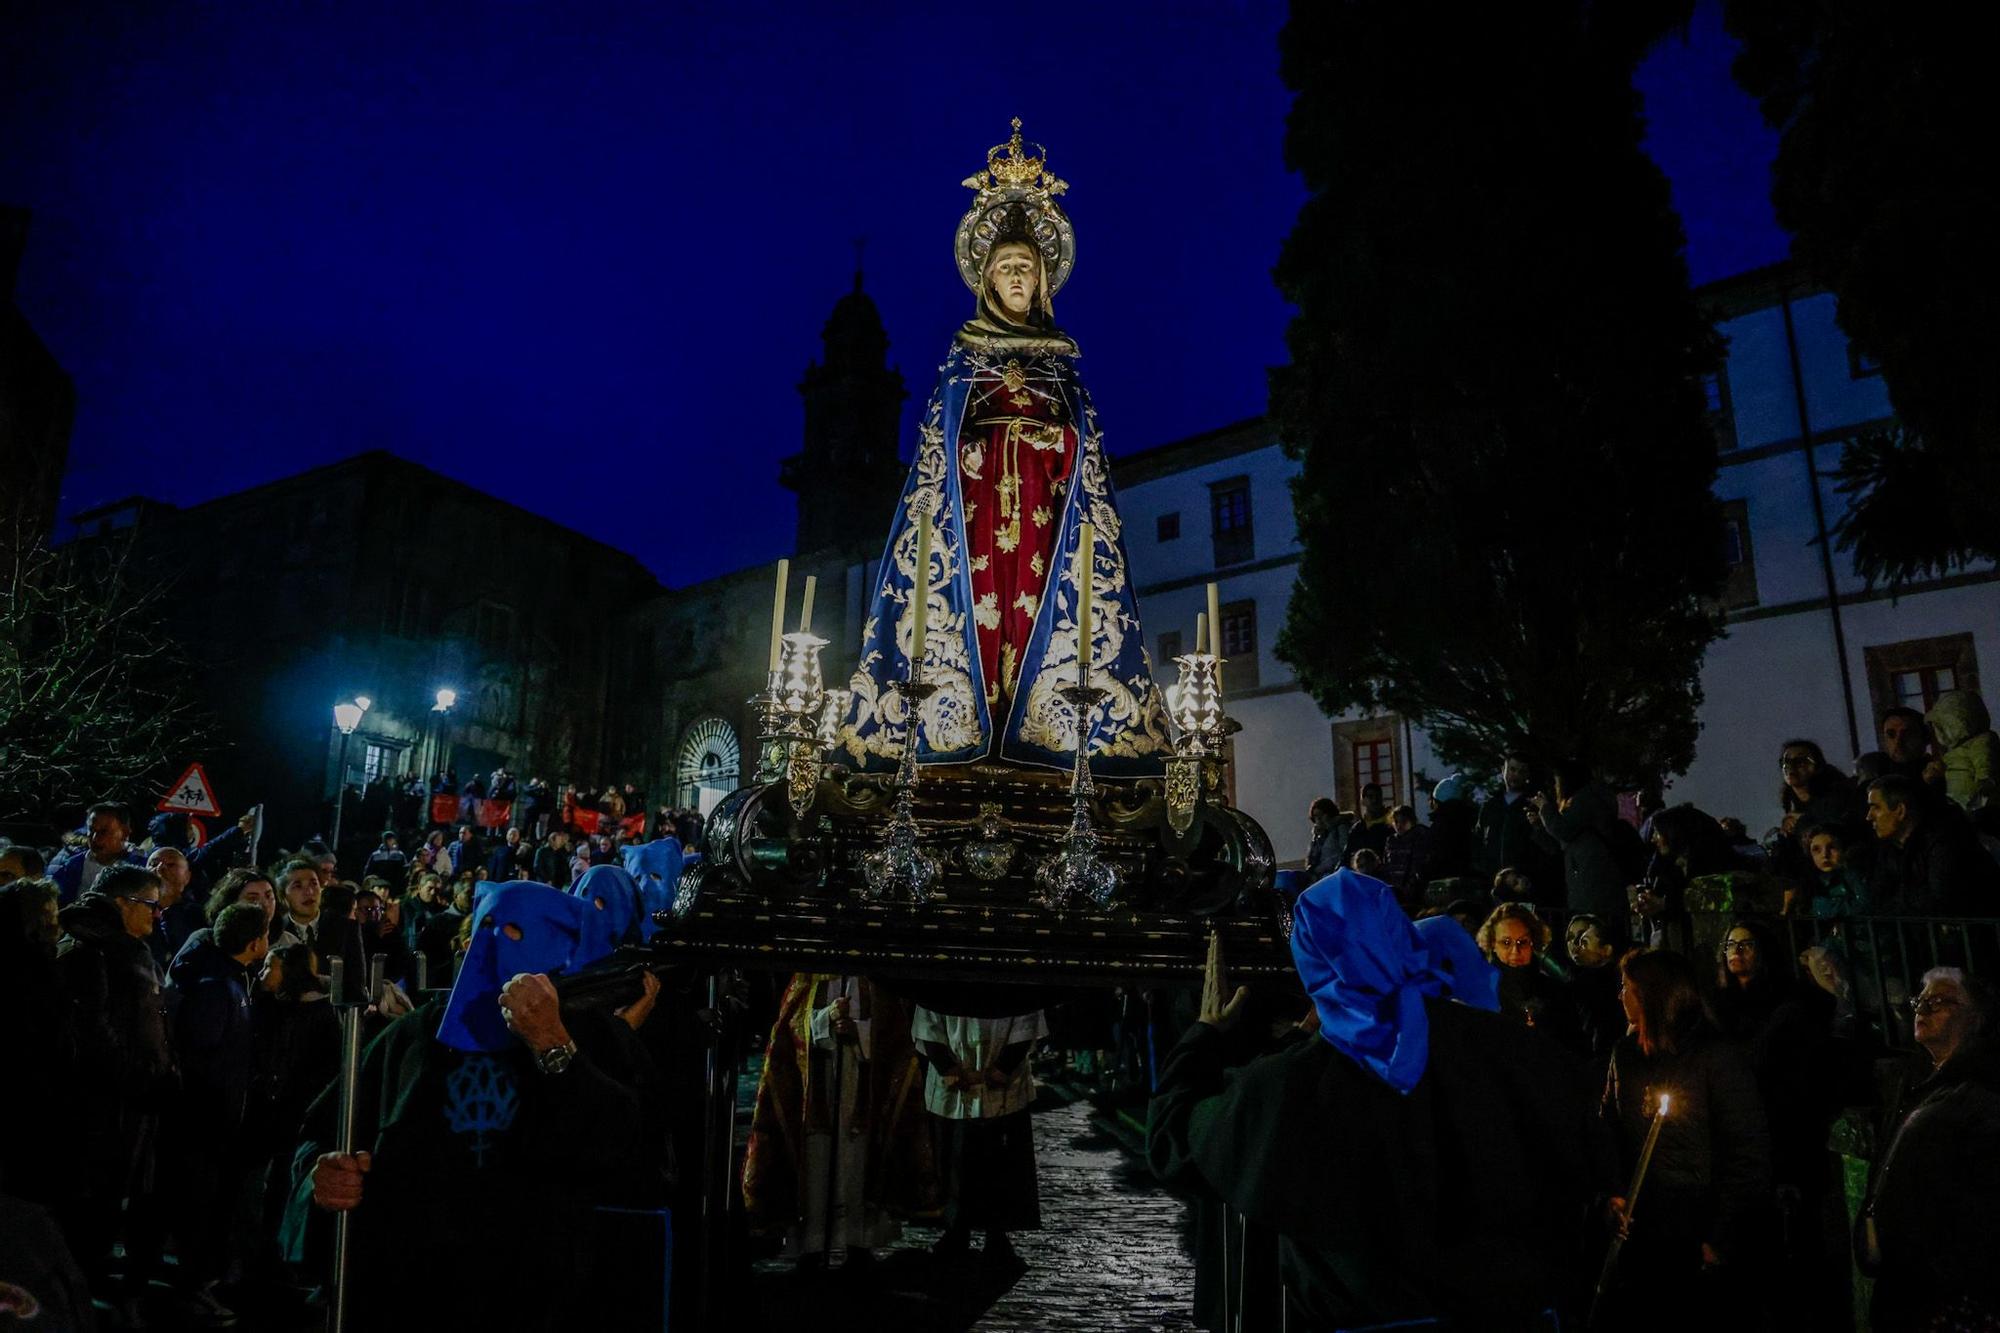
x: 1214, y: 620
x: 1201, y: 631
x: 1086, y: 545
x: 778, y: 613
x: 921, y: 590
x: 806, y: 612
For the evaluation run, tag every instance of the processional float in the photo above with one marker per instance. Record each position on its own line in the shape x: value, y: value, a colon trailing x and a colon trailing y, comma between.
x: 1001, y: 793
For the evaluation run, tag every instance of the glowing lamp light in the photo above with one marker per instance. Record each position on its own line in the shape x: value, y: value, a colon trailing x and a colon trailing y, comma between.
x: 363, y: 702
x: 347, y: 717
x: 1665, y: 1099
x: 445, y: 699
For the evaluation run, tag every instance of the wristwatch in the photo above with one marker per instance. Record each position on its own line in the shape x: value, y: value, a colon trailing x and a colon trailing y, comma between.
x: 556, y: 1059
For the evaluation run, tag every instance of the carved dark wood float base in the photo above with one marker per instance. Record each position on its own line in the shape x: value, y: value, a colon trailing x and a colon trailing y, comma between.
x: 788, y: 892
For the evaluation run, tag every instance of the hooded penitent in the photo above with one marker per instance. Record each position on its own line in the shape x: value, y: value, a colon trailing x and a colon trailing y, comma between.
x: 519, y: 927
x: 1469, y: 978
x: 656, y: 868
x: 1368, y: 973
x: 611, y: 908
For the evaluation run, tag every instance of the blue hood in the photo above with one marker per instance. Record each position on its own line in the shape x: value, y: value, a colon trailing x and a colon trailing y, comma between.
x: 1469, y: 977
x: 613, y: 923
x: 656, y: 868
x: 553, y: 939
x: 1368, y: 974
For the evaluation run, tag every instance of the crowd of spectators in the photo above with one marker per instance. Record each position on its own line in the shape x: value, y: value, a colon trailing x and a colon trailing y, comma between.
x: 1784, y: 1033
x: 168, y: 1006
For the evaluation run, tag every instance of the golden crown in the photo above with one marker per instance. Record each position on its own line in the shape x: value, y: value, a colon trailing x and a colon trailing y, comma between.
x: 1008, y: 164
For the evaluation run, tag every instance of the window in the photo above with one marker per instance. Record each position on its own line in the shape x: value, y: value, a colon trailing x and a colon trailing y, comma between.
x: 407, y: 612
x: 1721, y: 413
x: 493, y: 627
x: 1912, y: 674
x: 1168, y: 526
x: 1170, y: 645
x: 380, y: 761
x: 1739, y: 584
x: 1239, y: 646
x: 1229, y: 509
x: 1365, y: 751
x: 1860, y: 365
x: 1374, y: 765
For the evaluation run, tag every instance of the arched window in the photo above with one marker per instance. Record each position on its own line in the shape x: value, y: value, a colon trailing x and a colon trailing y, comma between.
x: 709, y: 765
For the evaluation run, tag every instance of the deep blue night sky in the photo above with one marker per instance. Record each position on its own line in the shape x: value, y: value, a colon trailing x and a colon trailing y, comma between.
x: 580, y: 259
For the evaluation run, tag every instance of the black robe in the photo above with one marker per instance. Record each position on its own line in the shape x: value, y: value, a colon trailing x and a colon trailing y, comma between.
x: 1466, y: 1198
x: 485, y: 1167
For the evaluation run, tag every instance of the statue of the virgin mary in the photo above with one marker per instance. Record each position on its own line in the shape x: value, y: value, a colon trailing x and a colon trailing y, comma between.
x: 1010, y: 466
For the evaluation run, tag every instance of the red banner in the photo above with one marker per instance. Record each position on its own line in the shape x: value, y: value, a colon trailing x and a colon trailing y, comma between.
x: 444, y: 808
x: 495, y: 814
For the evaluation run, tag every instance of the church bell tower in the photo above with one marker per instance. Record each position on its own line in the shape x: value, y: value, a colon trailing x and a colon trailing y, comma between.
x: 848, y: 474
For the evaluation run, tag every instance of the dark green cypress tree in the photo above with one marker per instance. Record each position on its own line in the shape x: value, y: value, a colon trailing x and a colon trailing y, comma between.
x: 1883, y: 179
x: 1494, y: 390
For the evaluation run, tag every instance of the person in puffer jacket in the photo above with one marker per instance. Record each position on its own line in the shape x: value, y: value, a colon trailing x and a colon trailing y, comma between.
x: 1962, y: 730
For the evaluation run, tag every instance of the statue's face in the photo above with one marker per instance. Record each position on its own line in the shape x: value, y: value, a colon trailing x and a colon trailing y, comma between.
x: 1011, y: 275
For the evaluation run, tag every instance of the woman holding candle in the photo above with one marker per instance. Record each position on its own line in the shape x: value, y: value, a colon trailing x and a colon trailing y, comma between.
x: 1691, y: 1247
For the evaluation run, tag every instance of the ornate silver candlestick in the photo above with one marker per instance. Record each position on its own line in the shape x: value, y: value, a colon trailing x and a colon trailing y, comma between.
x: 902, y: 868
x: 1075, y: 870
x: 1201, y: 730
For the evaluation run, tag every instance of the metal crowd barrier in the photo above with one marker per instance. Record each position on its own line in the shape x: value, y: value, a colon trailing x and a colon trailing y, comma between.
x: 1885, y: 958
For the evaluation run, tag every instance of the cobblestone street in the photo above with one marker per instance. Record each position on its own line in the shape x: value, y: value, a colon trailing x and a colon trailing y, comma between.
x: 1112, y: 1254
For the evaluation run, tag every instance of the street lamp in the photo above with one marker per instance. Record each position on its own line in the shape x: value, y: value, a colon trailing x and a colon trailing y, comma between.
x: 346, y: 716
x: 445, y: 699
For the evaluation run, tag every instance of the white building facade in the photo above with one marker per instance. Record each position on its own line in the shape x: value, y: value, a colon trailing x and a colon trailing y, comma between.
x: 1810, y: 651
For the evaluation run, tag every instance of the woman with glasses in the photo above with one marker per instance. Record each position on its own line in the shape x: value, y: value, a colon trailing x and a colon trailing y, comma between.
x: 1593, y: 987
x: 1516, y: 941
x: 1927, y: 1230
x: 1693, y: 1239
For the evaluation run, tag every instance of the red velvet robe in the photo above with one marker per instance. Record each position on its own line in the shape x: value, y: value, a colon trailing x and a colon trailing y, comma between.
x: 1015, y: 453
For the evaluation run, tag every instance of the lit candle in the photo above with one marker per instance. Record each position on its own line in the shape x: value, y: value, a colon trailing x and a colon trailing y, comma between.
x: 922, y: 592
x: 806, y: 612
x: 1214, y: 620
x: 1086, y: 545
x: 1612, y: 1251
x: 778, y: 613
x: 1201, y: 631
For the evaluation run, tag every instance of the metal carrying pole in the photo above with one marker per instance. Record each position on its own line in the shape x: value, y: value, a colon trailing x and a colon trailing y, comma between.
x: 351, y: 1013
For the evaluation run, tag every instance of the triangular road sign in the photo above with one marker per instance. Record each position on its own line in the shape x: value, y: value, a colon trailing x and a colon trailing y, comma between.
x: 193, y: 794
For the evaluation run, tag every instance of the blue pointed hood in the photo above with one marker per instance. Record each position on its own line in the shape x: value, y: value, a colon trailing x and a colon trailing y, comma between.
x: 553, y: 938
x: 1469, y: 977
x: 1368, y: 974
x: 610, y: 907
